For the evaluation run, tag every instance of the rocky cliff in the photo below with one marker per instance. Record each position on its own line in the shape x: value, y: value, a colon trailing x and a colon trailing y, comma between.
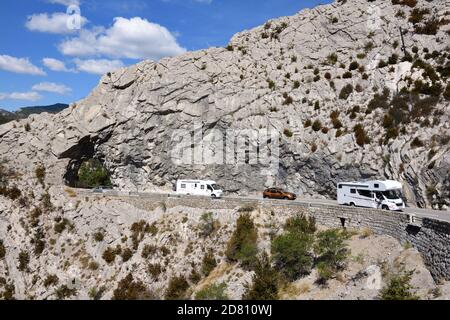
x: 334, y: 81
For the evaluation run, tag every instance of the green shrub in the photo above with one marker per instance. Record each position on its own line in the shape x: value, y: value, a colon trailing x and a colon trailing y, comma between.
x: 154, y: 269
x: 382, y: 64
x: 417, y: 143
x: 230, y: 47
x: 292, y: 254
x: 208, y: 224
x: 347, y: 75
x: 99, y: 236
x: 130, y: 289
x: 138, y: 232
x: 332, y: 251
x: 317, y: 125
x: 38, y: 242
x: 393, y: 59
x: 40, y: 174
x: 409, y: 3
x: 209, y: 263
x: 431, y: 26
x: 296, y: 84
x: 288, y: 133
x: 24, y: 260
x: 109, y: 255
x: 307, y: 123
x: 287, y: 99
x: 96, y: 293
x: 126, y: 254
x: 361, y: 136
x: 2, y: 250
x: 51, y: 280
x: 398, y: 288
x: 64, y: 292
x: 265, y: 281
x: 332, y: 59
x: 301, y: 224
x: 149, y: 250
x: 353, y: 66
x: 92, y: 174
x: 417, y: 15
x: 368, y: 46
x: 177, y: 288
x: 12, y: 193
x: 447, y: 92
x: 271, y: 84
x: 380, y: 101
x: 61, y: 225
x: 247, y: 208
x: 195, y: 276
x: 346, y: 91
x: 242, y: 246
x: 213, y: 292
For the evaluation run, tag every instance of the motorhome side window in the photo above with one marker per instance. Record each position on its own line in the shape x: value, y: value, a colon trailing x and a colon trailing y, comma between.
x: 352, y: 190
x: 202, y: 187
x: 365, y: 193
x: 376, y: 185
x: 340, y: 186
x: 183, y: 186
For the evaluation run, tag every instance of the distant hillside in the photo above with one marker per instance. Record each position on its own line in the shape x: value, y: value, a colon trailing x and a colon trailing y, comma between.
x: 22, y: 113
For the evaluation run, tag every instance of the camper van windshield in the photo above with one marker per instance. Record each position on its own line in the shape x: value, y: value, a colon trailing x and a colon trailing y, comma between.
x: 214, y: 186
x: 392, y: 194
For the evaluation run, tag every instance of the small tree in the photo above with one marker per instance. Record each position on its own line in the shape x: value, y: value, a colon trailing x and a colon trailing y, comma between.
x: 332, y: 252
x: 292, y: 254
x: 265, y: 281
x: 242, y: 246
x: 399, y: 288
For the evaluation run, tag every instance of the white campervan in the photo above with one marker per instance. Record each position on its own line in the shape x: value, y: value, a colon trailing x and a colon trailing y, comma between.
x: 371, y: 194
x: 199, y: 188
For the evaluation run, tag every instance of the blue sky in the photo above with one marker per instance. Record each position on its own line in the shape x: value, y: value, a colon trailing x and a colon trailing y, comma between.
x: 50, y: 52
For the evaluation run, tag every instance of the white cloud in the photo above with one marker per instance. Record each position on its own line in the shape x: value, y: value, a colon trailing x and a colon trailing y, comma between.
x: 134, y: 38
x: 65, y: 2
x: 56, y: 65
x: 58, y: 23
x: 52, y: 87
x: 204, y: 1
x: 100, y: 66
x: 19, y: 65
x: 29, y: 96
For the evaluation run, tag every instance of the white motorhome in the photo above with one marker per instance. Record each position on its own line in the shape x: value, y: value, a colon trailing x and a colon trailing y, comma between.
x: 199, y: 188
x: 371, y: 194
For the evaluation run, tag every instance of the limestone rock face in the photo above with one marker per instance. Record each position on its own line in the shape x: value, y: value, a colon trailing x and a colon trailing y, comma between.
x: 275, y: 77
